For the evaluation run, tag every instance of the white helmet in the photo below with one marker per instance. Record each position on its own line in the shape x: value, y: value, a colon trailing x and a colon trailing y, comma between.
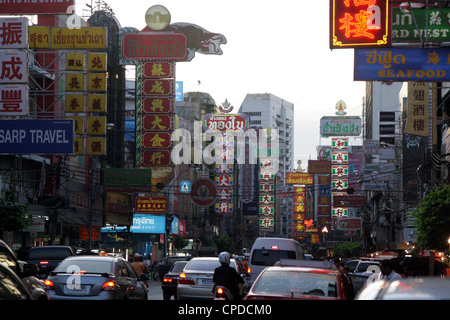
x: 224, y: 257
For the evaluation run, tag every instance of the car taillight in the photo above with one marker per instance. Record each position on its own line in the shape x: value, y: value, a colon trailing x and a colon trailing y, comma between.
x: 220, y: 291
x: 274, y: 247
x: 48, y: 285
x: 167, y: 280
x: 183, y: 279
x: 249, y: 270
x: 109, y: 286
x: 43, y: 262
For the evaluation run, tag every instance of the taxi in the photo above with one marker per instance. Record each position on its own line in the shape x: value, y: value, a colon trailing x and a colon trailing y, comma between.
x: 301, y: 280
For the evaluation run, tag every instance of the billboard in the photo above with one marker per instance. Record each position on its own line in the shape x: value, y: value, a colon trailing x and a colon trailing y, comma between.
x: 360, y: 23
x: 36, y: 137
x: 148, y: 223
x: 398, y: 64
x: 17, y: 7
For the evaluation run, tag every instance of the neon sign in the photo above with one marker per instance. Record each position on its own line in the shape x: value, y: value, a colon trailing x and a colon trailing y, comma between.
x: 359, y: 23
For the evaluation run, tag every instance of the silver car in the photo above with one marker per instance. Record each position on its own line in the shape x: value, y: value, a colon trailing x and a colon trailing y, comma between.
x: 94, y: 278
x: 196, y: 281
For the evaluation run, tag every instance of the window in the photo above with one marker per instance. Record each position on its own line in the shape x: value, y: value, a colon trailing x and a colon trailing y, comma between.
x: 265, y: 257
x: 10, y: 289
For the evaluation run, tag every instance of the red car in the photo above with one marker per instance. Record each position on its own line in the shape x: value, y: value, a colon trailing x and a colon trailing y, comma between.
x: 301, y: 280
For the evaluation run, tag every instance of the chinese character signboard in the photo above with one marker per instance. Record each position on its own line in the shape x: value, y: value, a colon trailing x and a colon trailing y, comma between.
x: 151, y: 205
x: 13, y: 100
x: 360, y: 23
x: 417, y: 113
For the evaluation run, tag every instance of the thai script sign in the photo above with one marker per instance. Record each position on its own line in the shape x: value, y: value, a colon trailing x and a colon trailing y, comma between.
x: 299, y: 178
x: 340, y: 126
x: 395, y: 64
x: 154, y: 45
x: 425, y: 24
x: 359, y: 23
x: 65, y: 38
x: 151, y: 205
x: 225, y: 122
x: 148, y: 223
x: 35, y: 6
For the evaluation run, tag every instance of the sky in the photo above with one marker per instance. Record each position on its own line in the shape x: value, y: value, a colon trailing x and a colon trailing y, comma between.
x: 278, y: 47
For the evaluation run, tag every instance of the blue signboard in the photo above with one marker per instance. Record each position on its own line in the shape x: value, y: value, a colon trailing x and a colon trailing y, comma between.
x: 407, y: 64
x: 178, y: 90
x: 185, y: 186
x: 148, y: 223
x: 36, y: 137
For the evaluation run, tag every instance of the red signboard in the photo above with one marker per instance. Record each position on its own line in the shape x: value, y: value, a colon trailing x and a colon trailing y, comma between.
x: 225, y: 122
x: 159, y: 69
x: 152, y: 140
x: 16, y: 7
x: 154, y: 45
x: 156, y: 123
x: 155, y: 157
x: 157, y: 105
x: 151, y: 205
x: 360, y: 23
x: 349, y: 201
x: 161, y: 87
x: 203, y: 192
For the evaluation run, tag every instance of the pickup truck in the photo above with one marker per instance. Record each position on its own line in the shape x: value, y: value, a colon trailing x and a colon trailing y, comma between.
x: 47, y: 258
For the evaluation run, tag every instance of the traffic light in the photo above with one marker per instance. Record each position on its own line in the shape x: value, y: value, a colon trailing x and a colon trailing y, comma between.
x: 350, y: 190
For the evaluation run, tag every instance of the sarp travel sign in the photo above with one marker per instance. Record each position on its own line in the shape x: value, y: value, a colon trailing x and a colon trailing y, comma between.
x: 360, y: 23
x: 36, y: 137
x: 226, y: 122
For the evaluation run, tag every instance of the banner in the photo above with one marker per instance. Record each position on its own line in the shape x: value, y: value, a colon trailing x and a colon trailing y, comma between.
x: 417, y: 113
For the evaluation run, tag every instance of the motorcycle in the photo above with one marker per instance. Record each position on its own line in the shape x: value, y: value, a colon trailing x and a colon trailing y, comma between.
x: 222, y: 293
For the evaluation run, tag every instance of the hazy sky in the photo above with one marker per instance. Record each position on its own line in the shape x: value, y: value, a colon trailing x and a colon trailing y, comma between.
x: 279, y: 47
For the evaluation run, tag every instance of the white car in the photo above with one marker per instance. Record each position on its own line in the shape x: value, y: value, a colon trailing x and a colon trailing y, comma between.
x: 196, y: 281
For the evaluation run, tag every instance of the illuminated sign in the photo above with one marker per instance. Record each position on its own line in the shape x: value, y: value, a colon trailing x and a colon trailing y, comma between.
x: 359, y: 23
x: 35, y: 7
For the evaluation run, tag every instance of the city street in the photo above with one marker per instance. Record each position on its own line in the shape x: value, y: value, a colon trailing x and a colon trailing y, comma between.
x: 155, y: 291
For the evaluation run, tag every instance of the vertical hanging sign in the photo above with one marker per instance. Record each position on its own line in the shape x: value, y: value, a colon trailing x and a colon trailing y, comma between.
x: 360, y: 23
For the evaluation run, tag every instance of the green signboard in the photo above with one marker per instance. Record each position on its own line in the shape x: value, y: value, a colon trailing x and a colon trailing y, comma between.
x: 435, y: 27
x: 128, y: 177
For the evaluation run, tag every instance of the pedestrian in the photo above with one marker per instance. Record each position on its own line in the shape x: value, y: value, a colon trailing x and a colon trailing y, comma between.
x: 387, y: 271
x: 409, y: 268
x: 138, y: 265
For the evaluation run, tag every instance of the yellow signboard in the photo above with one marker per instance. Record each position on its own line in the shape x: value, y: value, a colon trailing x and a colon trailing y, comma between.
x: 299, y: 178
x: 74, y: 103
x: 97, y: 61
x: 97, y: 103
x: 74, y: 82
x: 96, y: 146
x: 97, y: 82
x: 65, y: 38
x: 96, y: 125
x: 74, y: 61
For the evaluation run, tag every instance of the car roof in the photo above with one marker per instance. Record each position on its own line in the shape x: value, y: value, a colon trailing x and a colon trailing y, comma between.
x: 93, y: 257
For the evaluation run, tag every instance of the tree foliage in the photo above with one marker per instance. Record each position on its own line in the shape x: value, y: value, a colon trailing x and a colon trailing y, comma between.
x: 347, y: 249
x: 13, y: 216
x: 433, y: 219
x: 180, y: 242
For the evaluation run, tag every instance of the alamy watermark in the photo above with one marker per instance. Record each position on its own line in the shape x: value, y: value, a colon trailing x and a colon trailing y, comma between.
x: 225, y: 147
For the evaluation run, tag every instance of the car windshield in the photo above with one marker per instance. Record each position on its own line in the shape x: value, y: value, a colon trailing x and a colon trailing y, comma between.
x: 50, y: 253
x: 296, y: 283
x: 85, y: 266
x: 178, y: 267
x: 362, y: 267
x: 206, y: 265
x: 264, y: 257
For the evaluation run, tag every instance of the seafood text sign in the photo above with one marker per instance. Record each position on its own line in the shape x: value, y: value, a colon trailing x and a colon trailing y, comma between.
x: 395, y: 64
x: 360, y: 23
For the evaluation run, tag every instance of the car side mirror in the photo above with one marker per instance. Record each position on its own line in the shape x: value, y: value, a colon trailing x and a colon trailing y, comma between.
x: 30, y: 270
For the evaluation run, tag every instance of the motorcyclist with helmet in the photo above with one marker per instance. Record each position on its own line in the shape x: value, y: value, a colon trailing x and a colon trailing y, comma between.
x: 227, y: 276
